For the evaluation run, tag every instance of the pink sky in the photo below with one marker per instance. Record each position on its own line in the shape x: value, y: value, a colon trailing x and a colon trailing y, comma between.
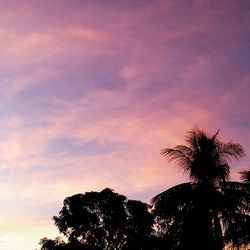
x: 91, y: 91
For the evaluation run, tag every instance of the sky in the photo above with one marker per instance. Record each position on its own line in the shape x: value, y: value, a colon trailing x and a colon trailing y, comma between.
x: 91, y: 91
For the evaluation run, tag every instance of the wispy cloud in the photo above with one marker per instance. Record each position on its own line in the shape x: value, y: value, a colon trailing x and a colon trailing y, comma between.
x: 90, y: 93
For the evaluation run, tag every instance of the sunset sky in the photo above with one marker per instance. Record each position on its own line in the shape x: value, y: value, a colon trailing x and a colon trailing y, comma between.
x: 92, y: 90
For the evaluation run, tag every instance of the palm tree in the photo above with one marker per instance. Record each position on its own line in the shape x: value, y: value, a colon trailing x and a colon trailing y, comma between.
x: 245, y: 176
x: 205, y: 213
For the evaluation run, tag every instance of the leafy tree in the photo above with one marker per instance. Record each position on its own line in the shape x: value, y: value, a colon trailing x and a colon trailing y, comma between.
x: 208, y: 212
x: 48, y: 244
x: 102, y: 220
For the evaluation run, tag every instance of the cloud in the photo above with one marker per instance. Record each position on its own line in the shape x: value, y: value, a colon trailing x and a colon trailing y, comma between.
x: 91, y: 93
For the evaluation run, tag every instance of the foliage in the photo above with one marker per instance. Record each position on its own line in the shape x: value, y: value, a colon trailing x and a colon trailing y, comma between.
x: 48, y: 244
x: 205, y: 159
x: 210, y: 211
x: 245, y: 176
x: 102, y: 220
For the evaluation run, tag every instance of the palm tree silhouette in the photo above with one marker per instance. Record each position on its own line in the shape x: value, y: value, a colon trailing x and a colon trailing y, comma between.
x: 245, y: 176
x: 208, y: 212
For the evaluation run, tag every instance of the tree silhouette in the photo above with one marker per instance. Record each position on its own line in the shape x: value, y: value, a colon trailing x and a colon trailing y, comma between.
x: 208, y: 212
x: 241, y: 225
x: 48, y: 244
x: 245, y: 176
x: 102, y: 220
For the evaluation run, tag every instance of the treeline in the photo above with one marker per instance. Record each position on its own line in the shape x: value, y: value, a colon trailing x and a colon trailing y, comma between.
x: 209, y: 212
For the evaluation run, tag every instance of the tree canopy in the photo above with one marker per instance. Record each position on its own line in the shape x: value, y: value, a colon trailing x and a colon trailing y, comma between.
x: 102, y: 220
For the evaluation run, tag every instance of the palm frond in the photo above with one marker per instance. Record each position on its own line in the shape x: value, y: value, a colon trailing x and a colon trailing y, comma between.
x: 193, y: 138
x: 245, y: 176
x: 179, y: 154
x: 231, y: 150
x: 173, y: 192
x: 214, y: 137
